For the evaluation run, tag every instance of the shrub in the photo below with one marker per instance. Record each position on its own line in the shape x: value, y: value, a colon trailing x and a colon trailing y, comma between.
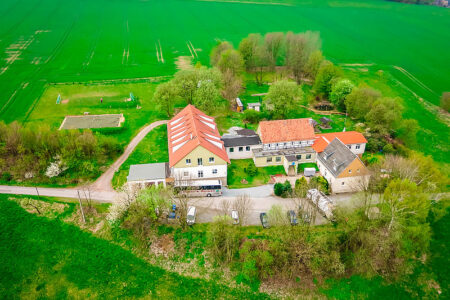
x: 6, y: 176
x: 278, y: 189
x: 252, y: 116
x: 301, y: 187
x: 251, y: 170
x: 320, y: 183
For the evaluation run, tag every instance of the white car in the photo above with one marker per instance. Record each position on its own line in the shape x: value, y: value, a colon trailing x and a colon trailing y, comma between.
x: 235, y: 217
x: 190, y: 217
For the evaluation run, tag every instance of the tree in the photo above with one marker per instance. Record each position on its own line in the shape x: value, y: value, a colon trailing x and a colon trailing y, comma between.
x: 260, y: 61
x: 247, y: 48
x: 324, y: 79
x: 339, y: 91
x: 186, y: 83
x: 385, y: 114
x: 282, y: 97
x: 232, y: 86
x: 217, y: 51
x: 312, y: 65
x: 301, y: 187
x: 445, y: 101
x: 165, y: 96
x: 273, y: 42
x: 206, y: 96
x: 277, y: 216
x: 243, y: 204
x: 407, y: 131
x: 298, y: 50
x: 223, y: 238
x: 360, y: 100
x: 230, y: 61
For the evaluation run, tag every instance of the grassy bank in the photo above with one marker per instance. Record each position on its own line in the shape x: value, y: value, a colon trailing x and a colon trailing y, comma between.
x: 48, y: 258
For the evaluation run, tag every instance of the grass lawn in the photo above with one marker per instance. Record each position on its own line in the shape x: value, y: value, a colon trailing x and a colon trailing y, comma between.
x: 86, y: 98
x: 301, y: 167
x: 236, y: 172
x: 152, y: 149
x: 48, y: 258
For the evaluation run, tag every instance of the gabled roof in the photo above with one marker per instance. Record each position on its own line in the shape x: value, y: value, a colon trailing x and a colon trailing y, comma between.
x: 336, y: 157
x: 286, y: 130
x: 240, y: 137
x: 189, y: 129
x: 347, y: 137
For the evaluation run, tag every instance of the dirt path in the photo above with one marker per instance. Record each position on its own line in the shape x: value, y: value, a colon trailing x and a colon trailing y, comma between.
x: 103, y: 183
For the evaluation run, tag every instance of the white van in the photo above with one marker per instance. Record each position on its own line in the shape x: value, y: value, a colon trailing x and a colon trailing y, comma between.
x: 190, y: 217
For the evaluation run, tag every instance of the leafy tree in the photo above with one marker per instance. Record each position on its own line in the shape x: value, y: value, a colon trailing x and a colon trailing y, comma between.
x: 217, y: 51
x: 188, y: 81
x: 232, y: 86
x: 407, y: 131
x: 360, y: 100
x: 261, y: 61
x: 283, y: 96
x: 206, y: 96
x: 313, y: 64
x: 324, y: 79
x: 230, y: 60
x: 385, y: 115
x: 252, y: 116
x: 278, y: 189
x: 339, y: 91
x: 301, y: 187
x: 248, y: 48
x: 298, y: 50
x: 273, y: 42
x: 223, y: 238
x: 251, y: 169
x: 277, y: 216
x: 165, y: 96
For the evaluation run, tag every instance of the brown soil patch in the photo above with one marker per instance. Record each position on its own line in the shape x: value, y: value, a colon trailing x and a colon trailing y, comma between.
x: 65, y: 101
x: 164, y: 245
x: 183, y: 62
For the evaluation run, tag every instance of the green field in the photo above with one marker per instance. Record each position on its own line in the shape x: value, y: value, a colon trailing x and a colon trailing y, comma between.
x: 51, y: 41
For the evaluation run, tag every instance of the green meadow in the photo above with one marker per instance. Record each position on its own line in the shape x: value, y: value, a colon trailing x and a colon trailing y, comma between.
x: 50, y: 41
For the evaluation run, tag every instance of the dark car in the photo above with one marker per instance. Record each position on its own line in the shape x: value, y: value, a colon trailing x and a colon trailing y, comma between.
x: 292, y: 217
x: 264, y: 220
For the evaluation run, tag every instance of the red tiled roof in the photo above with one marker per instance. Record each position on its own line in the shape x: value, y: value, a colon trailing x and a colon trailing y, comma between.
x: 347, y: 137
x: 286, y: 130
x: 189, y: 129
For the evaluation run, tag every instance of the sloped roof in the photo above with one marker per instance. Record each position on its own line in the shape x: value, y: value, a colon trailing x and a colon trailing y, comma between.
x: 347, y: 137
x: 286, y: 130
x: 336, y: 157
x: 189, y: 129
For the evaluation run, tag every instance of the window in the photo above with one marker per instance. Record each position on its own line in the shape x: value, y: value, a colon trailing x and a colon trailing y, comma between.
x: 199, y: 161
x: 241, y: 149
x: 278, y: 159
x: 214, y: 171
x: 188, y: 161
x: 349, y: 171
x: 200, y: 174
x: 185, y: 174
x: 349, y: 146
x: 358, y: 146
x: 308, y: 156
x: 211, y: 159
x: 231, y: 149
x: 342, y: 183
x: 269, y: 159
x: 298, y: 157
x: 247, y: 148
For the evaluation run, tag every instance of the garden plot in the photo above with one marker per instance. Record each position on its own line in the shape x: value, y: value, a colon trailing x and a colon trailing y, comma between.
x: 92, y: 121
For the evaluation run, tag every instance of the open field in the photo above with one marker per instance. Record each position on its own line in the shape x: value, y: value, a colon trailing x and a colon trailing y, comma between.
x: 46, y: 41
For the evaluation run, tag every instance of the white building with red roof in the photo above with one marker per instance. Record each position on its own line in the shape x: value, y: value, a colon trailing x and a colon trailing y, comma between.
x: 354, y: 140
x: 196, y: 151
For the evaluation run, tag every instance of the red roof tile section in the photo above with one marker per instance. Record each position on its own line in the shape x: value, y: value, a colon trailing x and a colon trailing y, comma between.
x: 189, y: 129
x: 347, y: 137
x: 286, y: 130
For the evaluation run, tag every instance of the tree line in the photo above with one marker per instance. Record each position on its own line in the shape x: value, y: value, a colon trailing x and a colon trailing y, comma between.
x: 47, y: 156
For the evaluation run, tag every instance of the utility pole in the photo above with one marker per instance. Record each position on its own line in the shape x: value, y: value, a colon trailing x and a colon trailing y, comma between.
x: 81, y: 207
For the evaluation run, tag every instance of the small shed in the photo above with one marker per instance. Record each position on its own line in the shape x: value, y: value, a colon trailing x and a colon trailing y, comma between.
x: 254, y: 106
x: 309, y: 172
x: 325, y: 122
x: 144, y: 175
x: 239, y: 106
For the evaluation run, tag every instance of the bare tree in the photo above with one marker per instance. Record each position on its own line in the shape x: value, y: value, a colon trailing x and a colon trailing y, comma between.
x: 243, y: 204
x: 273, y: 42
x: 225, y: 206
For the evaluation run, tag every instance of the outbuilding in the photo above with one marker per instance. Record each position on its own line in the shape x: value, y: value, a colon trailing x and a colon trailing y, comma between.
x: 254, y: 106
x: 239, y: 105
x: 145, y: 175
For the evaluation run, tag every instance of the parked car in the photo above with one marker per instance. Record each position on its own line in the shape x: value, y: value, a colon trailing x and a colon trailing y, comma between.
x: 264, y: 220
x: 235, y: 217
x: 190, y: 217
x: 292, y: 217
